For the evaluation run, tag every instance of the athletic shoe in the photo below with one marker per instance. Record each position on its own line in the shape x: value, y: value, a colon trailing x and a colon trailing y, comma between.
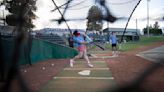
x: 90, y: 65
x: 71, y: 62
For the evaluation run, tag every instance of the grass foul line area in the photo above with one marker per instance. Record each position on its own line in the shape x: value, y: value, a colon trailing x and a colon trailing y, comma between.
x: 86, y: 69
x: 96, y: 78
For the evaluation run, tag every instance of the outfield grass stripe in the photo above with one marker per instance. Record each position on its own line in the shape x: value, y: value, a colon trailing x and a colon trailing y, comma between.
x: 84, y: 65
x: 86, y: 68
x: 102, y: 57
x: 96, y: 78
x: 93, y: 73
x: 98, y: 61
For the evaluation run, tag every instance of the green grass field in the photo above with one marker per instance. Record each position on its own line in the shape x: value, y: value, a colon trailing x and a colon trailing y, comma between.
x: 142, y: 42
x: 100, y: 78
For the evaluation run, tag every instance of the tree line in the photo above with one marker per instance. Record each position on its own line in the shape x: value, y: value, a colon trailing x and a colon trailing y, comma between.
x: 153, y: 30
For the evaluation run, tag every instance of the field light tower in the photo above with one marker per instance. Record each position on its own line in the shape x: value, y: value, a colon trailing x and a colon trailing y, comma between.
x: 148, y: 17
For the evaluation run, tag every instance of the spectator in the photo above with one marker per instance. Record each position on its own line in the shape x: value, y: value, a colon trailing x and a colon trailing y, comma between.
x: 113, y: 40
x: 70, y: 41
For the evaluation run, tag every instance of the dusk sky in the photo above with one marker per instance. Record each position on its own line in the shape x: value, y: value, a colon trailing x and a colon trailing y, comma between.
x: 119, y: 8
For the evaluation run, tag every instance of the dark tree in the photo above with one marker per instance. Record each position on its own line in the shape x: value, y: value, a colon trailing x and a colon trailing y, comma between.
x: 156, y: 25
x: 155, y: 30
x: 21, y: 12
x: 94, y: 19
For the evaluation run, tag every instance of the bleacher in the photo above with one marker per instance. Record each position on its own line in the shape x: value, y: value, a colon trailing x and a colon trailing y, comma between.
x: 54, y: 38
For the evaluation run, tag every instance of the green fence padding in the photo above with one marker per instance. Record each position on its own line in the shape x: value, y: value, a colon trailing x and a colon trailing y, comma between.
x: 40, y: 50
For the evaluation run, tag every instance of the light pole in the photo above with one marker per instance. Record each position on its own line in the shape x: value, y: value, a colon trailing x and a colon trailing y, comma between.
x: 3, y: 17
x: 148, y: 17
x: 137, y: 26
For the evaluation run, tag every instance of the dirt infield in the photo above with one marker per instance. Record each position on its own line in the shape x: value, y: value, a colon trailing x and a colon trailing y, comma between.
x: 125, y: 68
x: 39, y: 74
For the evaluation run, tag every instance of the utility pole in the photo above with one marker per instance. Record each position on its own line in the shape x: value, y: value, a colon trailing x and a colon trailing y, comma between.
x: 3, y: 17
x: 136, y: 24
x: 107, y: 24
x: 136, y: 27
x: 148, y: 17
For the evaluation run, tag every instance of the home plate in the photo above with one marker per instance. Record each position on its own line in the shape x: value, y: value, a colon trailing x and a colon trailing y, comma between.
x: 85, y: 72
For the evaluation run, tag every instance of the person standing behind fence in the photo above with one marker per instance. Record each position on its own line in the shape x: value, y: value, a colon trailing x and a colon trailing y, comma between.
x: 70, y: 41
x: 114, y: 39
x: 80, y: 45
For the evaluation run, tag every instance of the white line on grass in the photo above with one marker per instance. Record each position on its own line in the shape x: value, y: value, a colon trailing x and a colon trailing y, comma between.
x: 101, y: 57
x: 97, y: 78
x: 86, y: 68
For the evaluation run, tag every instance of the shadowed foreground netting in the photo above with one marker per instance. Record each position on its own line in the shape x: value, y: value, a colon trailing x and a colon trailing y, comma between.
x: 12, y: 51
